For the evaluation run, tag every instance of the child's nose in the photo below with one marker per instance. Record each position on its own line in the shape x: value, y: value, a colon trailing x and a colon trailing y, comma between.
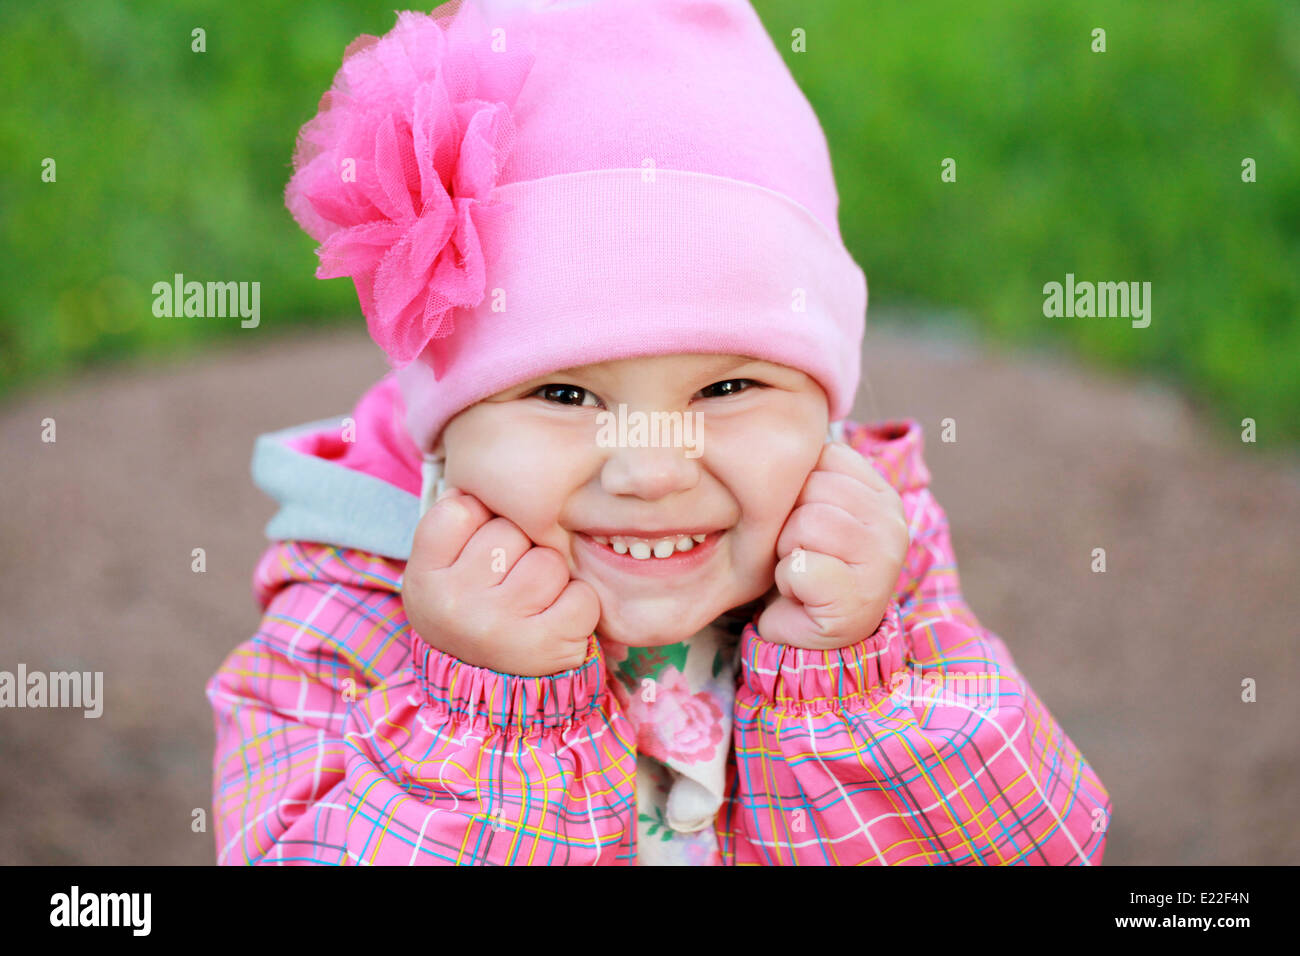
x: 650, y: 473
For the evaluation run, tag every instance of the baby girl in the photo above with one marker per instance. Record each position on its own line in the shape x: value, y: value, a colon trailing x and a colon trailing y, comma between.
x: 495, y: 634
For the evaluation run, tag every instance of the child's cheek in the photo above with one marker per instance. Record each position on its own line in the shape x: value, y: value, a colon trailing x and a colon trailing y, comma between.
x: 765, y: 465
x: 520, y: 473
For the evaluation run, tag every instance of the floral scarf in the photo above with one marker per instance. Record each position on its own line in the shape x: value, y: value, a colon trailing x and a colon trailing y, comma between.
x: 679, y: 699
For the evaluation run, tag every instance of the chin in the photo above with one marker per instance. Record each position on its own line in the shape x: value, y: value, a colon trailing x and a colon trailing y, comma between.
x: 651, y: 641
x: 657, y: 630
x: 644, y: 638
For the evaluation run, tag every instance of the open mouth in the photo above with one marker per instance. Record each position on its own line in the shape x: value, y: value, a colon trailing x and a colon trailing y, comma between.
x: 634, y: 552
x: 645, y: 549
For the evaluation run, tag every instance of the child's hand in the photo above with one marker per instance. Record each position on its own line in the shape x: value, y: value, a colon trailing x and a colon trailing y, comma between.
x: 526, y: 618
x: 850, y: 526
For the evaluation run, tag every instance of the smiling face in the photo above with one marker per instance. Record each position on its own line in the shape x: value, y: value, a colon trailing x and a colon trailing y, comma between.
x: 536, y: 454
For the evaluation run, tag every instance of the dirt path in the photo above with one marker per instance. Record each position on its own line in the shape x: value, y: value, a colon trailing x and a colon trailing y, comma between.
x: 1142, y: 665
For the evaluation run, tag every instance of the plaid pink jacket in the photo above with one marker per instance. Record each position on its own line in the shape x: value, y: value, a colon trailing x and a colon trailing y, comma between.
x: 343, y: 738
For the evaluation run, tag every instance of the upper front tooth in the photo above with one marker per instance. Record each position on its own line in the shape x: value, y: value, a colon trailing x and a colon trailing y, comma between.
x: 698, y: 538
x: 642, y: 548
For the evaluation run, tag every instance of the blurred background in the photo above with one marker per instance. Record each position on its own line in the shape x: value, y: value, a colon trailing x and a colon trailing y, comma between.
x: 1072, y: 433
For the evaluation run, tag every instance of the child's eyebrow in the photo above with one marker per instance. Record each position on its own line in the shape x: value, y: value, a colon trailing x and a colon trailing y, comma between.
x: 751, y: 367
x: 730, y: 364
x: 759, y: 365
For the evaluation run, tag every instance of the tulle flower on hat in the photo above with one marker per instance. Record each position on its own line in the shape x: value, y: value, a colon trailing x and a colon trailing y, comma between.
x: 394, y: 174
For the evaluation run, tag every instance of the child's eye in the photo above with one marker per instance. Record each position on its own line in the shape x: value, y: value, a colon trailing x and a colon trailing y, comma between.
x: 567, y: 395
x: 580, y: 397
x: 732, y: 386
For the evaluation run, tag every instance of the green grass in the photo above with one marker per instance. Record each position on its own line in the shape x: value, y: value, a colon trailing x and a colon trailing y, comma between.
x: 1115, y: 166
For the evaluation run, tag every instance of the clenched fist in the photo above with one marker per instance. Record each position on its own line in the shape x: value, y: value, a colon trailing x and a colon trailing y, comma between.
x: 839, y: 554
x: 513, y: 610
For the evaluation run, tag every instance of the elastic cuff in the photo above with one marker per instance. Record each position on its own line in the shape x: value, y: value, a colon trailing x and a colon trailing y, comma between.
x: 819, y: 680
x: 508, y: 702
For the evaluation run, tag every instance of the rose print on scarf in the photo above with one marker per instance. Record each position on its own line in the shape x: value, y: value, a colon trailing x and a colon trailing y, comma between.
x: 676, y: 725
x: 636, y: 664
x: 702, y: 849
x: 656, y: 825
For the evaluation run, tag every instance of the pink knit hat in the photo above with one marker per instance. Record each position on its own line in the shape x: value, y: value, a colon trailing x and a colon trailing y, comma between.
x: 522, y: 186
